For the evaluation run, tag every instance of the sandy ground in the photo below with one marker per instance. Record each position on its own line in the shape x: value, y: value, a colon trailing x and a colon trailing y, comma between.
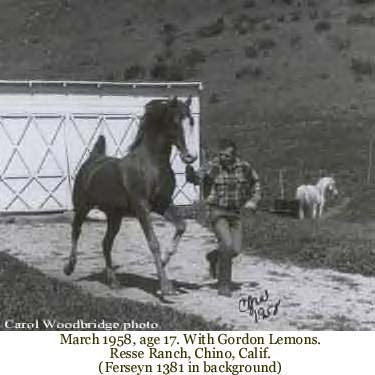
x: 309, y: 299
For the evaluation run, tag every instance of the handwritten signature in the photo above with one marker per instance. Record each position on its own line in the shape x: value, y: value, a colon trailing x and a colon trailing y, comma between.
x: 258, y: 306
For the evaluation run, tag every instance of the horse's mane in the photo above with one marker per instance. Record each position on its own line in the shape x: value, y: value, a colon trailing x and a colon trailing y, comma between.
x: 152, y: 119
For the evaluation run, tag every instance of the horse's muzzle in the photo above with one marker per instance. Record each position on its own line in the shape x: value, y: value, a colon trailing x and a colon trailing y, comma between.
x: 188, y: 158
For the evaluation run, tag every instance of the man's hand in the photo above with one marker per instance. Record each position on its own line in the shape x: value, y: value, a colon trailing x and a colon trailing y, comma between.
x: 190, y: 174
x: 250, y: 205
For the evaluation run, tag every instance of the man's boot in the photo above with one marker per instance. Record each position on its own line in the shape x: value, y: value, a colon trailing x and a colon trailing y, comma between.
x: 213, y: 258
x: 225, y: 275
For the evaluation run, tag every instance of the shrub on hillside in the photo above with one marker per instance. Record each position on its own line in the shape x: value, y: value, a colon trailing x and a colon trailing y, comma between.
x: 249, y: 3
x: 110, y: 76
x: 253, y: 71
x: 295, y: 40
x: 265, y: 44
x: 244, y: 23
x: 167, y: 70
x: 134, y: 72
x: 251, y: 51
x: 313, y: 14
x: 362, y: 66
x: 168, y: 31
x: 295, y: 15
x: 214, y: 98
x: 324, y: 76
x: 193, y: 57
x: 322, y: 26
x: 340, y: 43
x: 267, y: 25
x: 360, y: 19
x: 171, y: 67
x: 326, y: 14
x: 213, y: 29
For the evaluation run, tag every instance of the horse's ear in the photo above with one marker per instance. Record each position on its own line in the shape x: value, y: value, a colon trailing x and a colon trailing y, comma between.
x: 188, y: 101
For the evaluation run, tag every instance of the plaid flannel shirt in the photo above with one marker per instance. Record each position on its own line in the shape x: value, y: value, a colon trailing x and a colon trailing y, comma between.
x: 231, y: 189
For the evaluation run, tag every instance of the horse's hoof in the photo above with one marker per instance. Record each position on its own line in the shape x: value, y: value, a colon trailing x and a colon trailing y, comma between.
x: 169, y: 293
x: 169, y: 290
x: 165, y: 261
x: 112, y: 281
x: 68, y: 268
x: 115, y: 285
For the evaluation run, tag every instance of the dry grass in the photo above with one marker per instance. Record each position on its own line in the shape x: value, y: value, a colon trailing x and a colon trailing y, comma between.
x: 329, y: 244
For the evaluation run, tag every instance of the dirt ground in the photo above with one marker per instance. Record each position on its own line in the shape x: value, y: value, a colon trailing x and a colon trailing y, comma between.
x: 309, y: 299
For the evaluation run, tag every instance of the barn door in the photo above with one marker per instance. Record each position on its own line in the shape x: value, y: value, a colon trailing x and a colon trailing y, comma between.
x: 33, y: 163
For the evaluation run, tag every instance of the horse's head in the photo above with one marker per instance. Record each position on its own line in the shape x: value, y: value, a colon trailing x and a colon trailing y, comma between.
x: 332, y: 187
x: 163, y: 125
x: 328, y: 184
x: 177, y: 112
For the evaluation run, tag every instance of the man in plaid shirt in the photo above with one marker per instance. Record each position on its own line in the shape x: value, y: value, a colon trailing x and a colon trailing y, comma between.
x: 231, y: 184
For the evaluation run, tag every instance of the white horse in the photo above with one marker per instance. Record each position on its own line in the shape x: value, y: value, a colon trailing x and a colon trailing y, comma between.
x: 313, y: 197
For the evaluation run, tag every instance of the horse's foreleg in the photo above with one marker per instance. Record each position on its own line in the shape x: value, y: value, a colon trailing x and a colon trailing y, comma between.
x: 79, y: 218
x: 314, y: 211
x: 113, y: 227
x: 321, y: 207
x: 143, y: 216
x: 301, y: 211
x: 172, y: 215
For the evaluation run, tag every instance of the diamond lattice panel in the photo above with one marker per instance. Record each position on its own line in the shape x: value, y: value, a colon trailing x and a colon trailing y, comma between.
x: 119, y: 131
x: 35, y: 151
x: 83, y: 131
x: 184, y: 193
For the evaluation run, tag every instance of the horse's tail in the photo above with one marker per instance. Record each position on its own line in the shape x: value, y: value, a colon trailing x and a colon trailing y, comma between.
x: 83, y: 176
x: 299, y: 193
x: 99, y: 148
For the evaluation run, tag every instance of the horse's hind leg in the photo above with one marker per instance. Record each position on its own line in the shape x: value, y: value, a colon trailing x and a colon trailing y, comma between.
x: 79, y: 217
x: 113, y: 227
x: 172, y: 215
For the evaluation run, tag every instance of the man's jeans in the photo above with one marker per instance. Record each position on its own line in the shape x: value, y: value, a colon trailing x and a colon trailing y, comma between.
x: 227, y: 226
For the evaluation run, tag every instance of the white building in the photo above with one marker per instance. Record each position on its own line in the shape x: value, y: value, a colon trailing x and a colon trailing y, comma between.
x: 48, y: 128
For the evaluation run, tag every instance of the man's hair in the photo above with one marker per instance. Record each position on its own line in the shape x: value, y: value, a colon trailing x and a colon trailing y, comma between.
x: 225, y: 143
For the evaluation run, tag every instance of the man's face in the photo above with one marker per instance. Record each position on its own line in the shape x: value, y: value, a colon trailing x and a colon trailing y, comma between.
x: 227, y: 156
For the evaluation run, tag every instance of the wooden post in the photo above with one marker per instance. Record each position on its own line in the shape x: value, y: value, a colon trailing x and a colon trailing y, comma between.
x: 281, y: 183
x: 300, y: 174
x: 370, y: 147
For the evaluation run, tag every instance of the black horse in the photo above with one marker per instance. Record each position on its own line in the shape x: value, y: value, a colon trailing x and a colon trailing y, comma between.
x: 141, y: 182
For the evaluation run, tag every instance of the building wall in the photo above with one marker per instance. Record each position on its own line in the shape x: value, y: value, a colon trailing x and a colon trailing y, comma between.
x: 47, y: 130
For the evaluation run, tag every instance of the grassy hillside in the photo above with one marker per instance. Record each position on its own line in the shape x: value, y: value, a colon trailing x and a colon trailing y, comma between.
x: 291, y: 80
